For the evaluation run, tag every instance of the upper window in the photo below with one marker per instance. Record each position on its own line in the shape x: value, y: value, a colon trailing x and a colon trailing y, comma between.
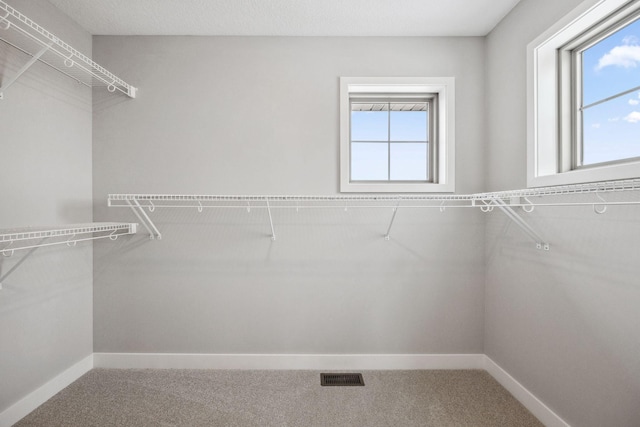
x: 396, y: 135
x: 584, y: 91
x: 607, y: 98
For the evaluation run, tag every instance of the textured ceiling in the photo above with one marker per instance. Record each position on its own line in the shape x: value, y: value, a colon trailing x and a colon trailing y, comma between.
x: 288, y: 17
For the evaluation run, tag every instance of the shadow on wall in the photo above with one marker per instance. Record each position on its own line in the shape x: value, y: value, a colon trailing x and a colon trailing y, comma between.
x: 105, y: 100
x: 40, y: 275
x: 221, y: 236
x: 584, y: 246
x: 44, y: 81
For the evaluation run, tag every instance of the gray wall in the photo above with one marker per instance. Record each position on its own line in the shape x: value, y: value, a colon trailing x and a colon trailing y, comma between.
x: 563, y: 323
x: 46, y: 311
x: 233, y: 115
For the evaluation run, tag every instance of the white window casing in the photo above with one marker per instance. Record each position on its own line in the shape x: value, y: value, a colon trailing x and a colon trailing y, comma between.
x: 442, y: 166
x: 550, y: 125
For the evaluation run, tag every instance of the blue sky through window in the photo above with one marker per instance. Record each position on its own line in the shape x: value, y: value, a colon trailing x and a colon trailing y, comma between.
x: 611, y: 130
x: 389, y: 145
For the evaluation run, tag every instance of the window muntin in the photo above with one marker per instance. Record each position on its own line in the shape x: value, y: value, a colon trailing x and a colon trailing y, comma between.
x: 607, y: 96
x: 390, y: 140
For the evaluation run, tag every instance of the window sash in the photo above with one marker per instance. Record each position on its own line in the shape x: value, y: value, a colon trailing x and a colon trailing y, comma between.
x: 431, y: 107
x: 571, y: 156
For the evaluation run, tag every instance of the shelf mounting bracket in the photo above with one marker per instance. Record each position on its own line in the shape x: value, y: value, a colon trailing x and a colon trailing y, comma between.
x: 138, y: 210
x: 393, y: 217
x: 517, y: 219
x: 273, y: 232
x: 24, y: 68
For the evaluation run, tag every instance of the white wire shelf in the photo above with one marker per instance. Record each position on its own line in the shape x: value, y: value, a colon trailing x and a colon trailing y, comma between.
x: 35, y: 237
x: 594, y: 187
x: 22, y: 33
x: 150, y: 201
x: 475, y: 200
x: 505, y: 201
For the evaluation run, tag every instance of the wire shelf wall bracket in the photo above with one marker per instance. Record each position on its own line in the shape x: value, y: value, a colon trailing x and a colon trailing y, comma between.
x: 273, y: 232
x: 22, y: 70
x: 387, y: 235
x: 139, y: 212
x: 507, y: 202
x: 520, y: 222
x: 32, y: 238
x: 53, y: 52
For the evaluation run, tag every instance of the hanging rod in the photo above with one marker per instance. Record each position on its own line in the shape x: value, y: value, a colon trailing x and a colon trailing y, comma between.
x: 60, y: 55
x: 76, y: 233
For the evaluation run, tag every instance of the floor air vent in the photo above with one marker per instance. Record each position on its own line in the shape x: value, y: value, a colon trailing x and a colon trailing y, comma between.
x: 341, y: 379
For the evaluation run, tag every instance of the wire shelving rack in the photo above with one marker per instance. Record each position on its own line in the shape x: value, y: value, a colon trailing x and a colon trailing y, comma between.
x: 506, y: 201
x: 35, y: 237
x: 25, y: 35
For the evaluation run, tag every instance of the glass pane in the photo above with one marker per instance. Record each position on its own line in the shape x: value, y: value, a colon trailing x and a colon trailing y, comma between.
x: 409, y: 126
x: 611, y: 130
x: 369, y: 161
x: 408, y: 162
x: 612, y: 65
x: 369, y: 125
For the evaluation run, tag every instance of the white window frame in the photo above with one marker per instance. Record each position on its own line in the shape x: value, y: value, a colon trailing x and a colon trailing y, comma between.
x: 550, y: 118
x: 442, y: 165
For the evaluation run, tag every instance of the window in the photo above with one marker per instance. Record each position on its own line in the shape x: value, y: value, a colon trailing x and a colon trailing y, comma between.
x: 607, y: 96
x: 584, y: 92
x: 397, y: 135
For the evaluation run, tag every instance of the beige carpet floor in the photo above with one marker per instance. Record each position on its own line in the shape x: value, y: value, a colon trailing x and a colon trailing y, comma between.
x: 110, y: 397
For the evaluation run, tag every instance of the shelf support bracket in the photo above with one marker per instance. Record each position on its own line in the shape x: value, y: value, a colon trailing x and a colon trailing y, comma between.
x: 517, y: 219
x: 393, y: 217
x: 17, y: 264
x: 273, y: 232
x: 138, y: 210
x: 24, y: 68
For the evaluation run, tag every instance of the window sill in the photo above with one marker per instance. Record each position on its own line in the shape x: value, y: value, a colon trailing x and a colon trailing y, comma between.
x: 594, y: 174
x: 366, y: 187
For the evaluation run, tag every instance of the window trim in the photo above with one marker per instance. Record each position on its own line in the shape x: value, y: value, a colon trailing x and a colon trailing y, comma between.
x: 551, y: 122
x: 442, y: 137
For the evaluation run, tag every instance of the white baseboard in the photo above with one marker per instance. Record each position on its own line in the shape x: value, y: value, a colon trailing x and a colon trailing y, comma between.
x: 541, y: 411
x: 288, y: 361
x: 24, y: 406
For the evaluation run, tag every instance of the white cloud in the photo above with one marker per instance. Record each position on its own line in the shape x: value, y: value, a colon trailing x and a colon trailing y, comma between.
x: 614, y: 119
x: 596, y: 125
x: 634, y: 101
x: 631, y: 39
x: 626, y: 56
x: 633, y: 117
